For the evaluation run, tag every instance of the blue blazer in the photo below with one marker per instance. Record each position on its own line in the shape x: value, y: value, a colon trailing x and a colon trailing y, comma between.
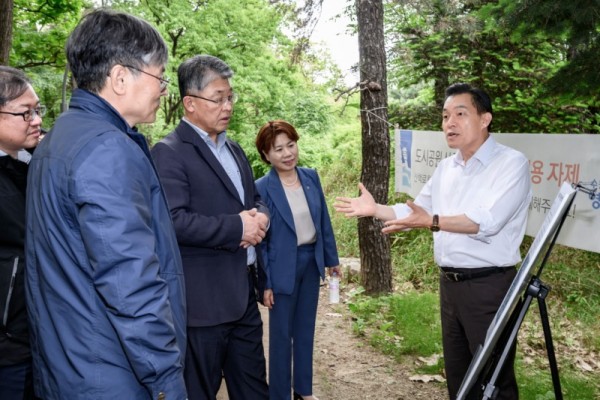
x: 280, y: 246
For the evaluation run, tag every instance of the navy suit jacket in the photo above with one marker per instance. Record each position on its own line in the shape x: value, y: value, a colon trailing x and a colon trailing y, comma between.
x: 279, y: 248
x: 204, y: 205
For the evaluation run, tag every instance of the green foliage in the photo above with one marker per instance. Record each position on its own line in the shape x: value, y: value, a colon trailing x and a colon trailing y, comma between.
x: 40, y: 30
x: 46, y: 81
x: 575, y: 24
x: 434, y: 43
x: 269, y: 86
x: 341, y: 176
x: 248, y: 36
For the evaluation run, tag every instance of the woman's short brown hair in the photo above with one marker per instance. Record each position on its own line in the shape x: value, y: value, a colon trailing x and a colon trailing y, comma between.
x: 269, y: 131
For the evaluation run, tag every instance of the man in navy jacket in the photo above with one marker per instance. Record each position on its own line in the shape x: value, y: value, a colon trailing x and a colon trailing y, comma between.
x: 219, y: 218
x: 104, y: 276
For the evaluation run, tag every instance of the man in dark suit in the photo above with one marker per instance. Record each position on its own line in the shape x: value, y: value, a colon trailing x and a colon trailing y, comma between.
x: 218, y: 218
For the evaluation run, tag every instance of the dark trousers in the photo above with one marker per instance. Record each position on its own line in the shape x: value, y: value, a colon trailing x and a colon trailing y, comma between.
x: 292, y: 330
x: 467, y: 309
x: 16, y: 382
x: 232, y: 350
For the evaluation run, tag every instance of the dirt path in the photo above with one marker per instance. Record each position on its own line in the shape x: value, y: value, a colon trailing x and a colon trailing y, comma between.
x: 347, y: 368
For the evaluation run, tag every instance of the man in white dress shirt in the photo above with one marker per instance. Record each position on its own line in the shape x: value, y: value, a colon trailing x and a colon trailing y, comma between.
x: 476, y: 204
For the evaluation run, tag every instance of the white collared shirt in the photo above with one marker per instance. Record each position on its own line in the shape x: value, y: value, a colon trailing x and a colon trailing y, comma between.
x: 22, y: 155
x: 493, y: 189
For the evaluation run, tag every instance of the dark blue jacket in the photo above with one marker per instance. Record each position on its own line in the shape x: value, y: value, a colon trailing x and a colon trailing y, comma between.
x: 280, y: 246
x: 104, y: 278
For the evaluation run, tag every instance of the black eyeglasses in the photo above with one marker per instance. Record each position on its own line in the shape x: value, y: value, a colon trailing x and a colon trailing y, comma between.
x: 232, y: 98
x: 164, y: 82
x: 30, y: 114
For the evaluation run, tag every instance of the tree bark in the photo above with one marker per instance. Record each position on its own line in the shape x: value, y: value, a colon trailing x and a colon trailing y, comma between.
x: 376, y: 270
x: 6, y: 17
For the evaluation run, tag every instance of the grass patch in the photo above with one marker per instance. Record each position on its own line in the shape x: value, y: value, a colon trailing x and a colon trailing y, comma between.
x: 535, y: 382
x: 399, y: 325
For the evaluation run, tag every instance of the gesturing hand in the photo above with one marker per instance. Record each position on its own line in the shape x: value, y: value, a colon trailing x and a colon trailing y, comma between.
x: 362, y: 206
x: 419, y: 218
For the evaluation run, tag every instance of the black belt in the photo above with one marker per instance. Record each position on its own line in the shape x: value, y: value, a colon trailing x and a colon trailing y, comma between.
x: 463, y: 274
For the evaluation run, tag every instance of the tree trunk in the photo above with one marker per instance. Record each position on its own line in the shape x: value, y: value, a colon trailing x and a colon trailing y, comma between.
x: 376, y: 270
x: 6, y: 17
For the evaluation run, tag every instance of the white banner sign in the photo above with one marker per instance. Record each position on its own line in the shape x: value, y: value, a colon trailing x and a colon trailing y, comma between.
x: 553, y: 159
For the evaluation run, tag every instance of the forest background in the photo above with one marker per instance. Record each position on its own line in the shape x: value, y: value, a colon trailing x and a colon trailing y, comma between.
x: 536, y: 58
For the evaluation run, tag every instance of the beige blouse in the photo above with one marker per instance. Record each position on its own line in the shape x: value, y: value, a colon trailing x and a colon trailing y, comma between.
x: 305, y: 228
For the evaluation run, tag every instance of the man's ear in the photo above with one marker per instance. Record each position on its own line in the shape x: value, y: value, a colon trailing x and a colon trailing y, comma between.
x: 486, y: 119
x: 117, y: 79
x: 188, y: 104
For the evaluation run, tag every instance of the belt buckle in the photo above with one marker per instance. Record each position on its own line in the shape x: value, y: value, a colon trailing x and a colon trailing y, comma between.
x: 453, y: 276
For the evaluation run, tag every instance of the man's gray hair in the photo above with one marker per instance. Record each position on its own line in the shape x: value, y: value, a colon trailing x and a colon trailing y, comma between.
x: 195, y: 73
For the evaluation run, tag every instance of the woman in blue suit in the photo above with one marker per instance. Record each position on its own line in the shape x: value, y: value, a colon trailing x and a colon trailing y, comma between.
x: 298, y: 247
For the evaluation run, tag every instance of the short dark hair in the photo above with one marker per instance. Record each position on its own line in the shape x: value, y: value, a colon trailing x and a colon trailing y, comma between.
x: 199, y: 71
x: 269, y: 131
x: 104, y: 38
x: 13, y: 83
x: 480, y: 99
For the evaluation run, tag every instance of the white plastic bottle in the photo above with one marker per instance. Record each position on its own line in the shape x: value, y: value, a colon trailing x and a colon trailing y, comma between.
x: 334, y: 289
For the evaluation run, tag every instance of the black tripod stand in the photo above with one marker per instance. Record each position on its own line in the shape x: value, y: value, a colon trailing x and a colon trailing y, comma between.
x: 536, y: 289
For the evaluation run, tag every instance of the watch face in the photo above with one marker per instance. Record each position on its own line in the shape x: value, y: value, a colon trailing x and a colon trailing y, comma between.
x: 435, y: 228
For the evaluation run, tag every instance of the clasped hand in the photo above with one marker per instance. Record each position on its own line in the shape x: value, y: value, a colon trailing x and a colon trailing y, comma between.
x: 255, y: 227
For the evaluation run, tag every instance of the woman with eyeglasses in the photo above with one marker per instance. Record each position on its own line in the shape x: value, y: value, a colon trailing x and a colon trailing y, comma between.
x: 20, y: 128
x: 298, y: 247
